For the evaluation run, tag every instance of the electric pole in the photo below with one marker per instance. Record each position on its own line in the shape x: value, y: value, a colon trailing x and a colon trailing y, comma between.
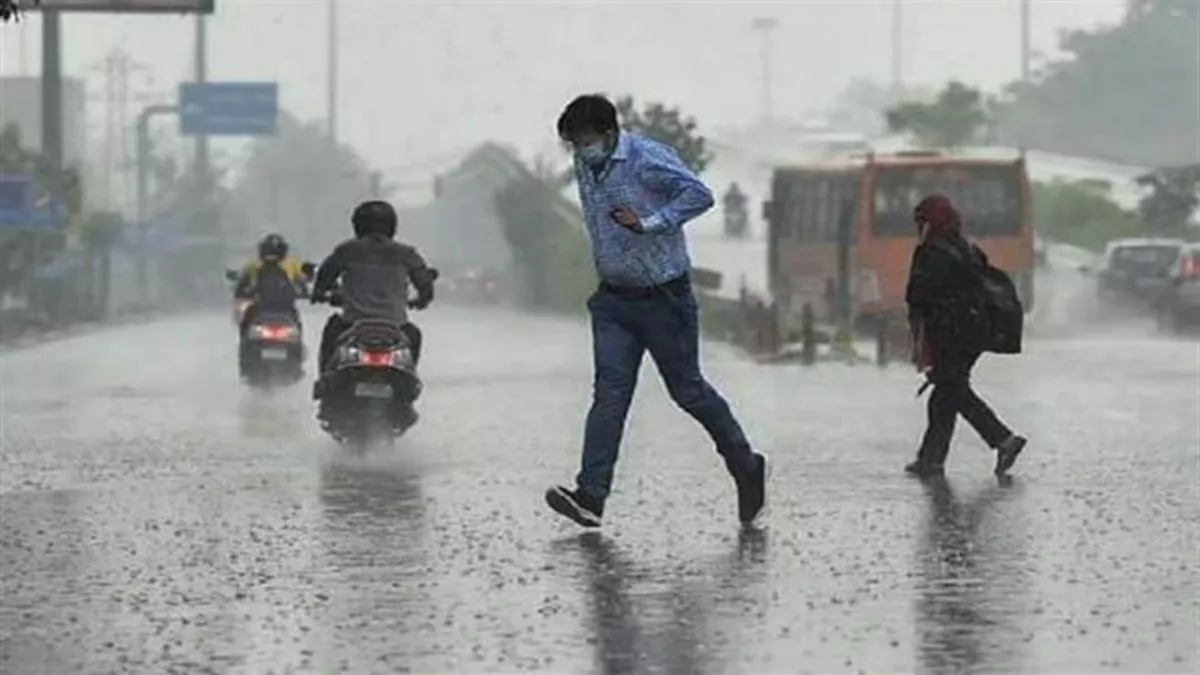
x: 331, y: 45
x: 765, y: 27
x: 118, y: 68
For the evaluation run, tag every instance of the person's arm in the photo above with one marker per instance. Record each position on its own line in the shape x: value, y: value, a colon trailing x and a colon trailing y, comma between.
x: 661, y: 170
x: 926, y: 277
x: 244, y: 289
x: 419, y: 275
x: 328, y: 272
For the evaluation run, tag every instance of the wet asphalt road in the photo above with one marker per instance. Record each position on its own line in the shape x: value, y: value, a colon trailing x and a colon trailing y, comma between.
x: 156, y: 517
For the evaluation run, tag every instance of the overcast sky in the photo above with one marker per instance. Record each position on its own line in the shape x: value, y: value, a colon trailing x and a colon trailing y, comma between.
x: 424, y: 78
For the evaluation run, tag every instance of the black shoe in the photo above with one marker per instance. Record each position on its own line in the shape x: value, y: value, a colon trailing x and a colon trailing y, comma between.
x: 752, y: 491
x: 1006, y: 453
x: 922, y: 469
x: 576, y: 505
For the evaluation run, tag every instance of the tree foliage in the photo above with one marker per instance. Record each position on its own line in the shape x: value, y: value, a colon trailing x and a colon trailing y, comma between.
x: 1173, y: 198
x: 669, y: 126
x: 1081, y: 213
x: 299, y: 184
x: 15, y: 158
x: 549, y: 247
x: 11, y: 10
x: 861, y: 105
x: 1130, y: 92
x: 957, y: 116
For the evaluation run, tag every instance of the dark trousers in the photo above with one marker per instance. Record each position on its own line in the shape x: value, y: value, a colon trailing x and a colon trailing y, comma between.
x: 337, y: 324
x: 663, y: 322
x: 952, y: 396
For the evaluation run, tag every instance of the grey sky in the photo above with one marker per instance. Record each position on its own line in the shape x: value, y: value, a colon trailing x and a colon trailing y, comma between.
x: 423, y: 78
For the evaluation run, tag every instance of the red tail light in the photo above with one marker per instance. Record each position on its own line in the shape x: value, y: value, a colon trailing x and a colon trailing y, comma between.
x: 1191, y: 267
x: 276, y: 332
x: 384, y: 359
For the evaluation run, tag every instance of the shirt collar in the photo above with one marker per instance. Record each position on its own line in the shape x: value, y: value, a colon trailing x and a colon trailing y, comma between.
x: 621, y: 152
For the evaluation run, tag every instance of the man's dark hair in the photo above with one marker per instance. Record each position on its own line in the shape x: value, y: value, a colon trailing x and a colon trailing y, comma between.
x: 590, y: 112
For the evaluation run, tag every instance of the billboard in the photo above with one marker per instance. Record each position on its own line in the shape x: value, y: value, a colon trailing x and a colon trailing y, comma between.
x: 124, y: 6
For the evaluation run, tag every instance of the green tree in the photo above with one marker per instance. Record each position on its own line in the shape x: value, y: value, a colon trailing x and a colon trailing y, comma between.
x: 861, y: 105
x: 11, y: 10
x: 956, y: 117
x: 1082, y: 213
x: 17, y: 159
x: 549, y: 246
x: 669, y: 126
x: 298, y: 184
x: 1173, y: 198
x: 1129, y: 92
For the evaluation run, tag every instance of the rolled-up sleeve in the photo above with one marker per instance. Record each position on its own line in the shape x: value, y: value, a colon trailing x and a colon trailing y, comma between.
x: 687, y: 196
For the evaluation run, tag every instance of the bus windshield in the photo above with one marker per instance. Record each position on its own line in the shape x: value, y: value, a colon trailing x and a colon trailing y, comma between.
x: 988, y: 197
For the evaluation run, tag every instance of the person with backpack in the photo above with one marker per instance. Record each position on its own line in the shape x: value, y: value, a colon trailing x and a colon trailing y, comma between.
x: 959, y: 306
x: 273, y: 281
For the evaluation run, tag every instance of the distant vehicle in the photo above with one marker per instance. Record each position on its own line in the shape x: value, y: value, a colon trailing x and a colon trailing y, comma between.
x: 474, y: 287
x: 1180, y: 305
x: 1137, y: 270
x: 847, y: 223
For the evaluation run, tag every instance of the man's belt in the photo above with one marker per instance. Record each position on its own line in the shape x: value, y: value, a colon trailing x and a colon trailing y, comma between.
x: 675, y: 287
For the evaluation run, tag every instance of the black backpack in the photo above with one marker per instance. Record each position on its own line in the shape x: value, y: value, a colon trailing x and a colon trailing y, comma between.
x: 1002, y: 309
x: 275, y: 290
x: 999, y: 306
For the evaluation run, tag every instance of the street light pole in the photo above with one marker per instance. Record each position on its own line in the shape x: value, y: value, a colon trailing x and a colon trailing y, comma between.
x: 1025, y: 46
x: 765, y: 26
x: 897, y: 47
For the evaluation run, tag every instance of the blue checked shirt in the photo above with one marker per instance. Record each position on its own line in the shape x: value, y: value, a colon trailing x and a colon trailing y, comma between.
x: 649, y: 178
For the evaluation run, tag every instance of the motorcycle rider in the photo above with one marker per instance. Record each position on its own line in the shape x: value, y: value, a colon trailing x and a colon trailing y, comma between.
x: 272, y: 282
x: 374, y: 271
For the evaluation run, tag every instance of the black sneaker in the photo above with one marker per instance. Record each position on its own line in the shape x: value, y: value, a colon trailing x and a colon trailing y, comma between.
x: 576, y: 505
x: 752, y: 491
x: 925, y: 469
x: 1006, y: 453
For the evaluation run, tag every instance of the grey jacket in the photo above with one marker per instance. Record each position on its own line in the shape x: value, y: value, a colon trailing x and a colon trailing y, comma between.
x: 375, y: 272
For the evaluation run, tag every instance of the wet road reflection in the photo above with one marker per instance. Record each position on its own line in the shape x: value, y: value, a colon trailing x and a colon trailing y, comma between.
x: 168, y: 520
x: 647, y: 620
x: 964, y: 604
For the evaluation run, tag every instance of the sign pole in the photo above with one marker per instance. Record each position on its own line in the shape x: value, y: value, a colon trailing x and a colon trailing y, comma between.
x: 202, y: 159
x: 143, y: 161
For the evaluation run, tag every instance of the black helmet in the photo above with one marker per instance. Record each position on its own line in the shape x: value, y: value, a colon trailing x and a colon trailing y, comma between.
x: 272, y: 246
x: 374, y: 217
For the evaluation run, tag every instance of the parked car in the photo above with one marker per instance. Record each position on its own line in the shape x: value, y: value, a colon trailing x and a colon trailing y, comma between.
x: 1137, y: 270
x: 1041, y: 256
x: 1180, y: 305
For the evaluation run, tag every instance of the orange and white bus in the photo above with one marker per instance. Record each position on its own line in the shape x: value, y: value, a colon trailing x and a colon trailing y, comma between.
x: 841, y: 233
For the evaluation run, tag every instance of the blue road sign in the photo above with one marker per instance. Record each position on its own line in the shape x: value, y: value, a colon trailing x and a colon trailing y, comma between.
x: 228, y: 108
x: 21, y: 211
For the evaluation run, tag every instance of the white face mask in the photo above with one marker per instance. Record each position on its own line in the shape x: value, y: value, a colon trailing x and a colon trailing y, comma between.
x: 592, y: 154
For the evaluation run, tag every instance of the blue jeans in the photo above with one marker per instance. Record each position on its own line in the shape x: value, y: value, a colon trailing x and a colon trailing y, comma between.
x: 666, y: 325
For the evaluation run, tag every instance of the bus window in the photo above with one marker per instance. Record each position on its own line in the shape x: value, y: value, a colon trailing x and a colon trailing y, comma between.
x: 988, y: 197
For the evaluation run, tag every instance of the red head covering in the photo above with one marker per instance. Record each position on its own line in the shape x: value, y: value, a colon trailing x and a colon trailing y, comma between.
x: 938, y: 216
